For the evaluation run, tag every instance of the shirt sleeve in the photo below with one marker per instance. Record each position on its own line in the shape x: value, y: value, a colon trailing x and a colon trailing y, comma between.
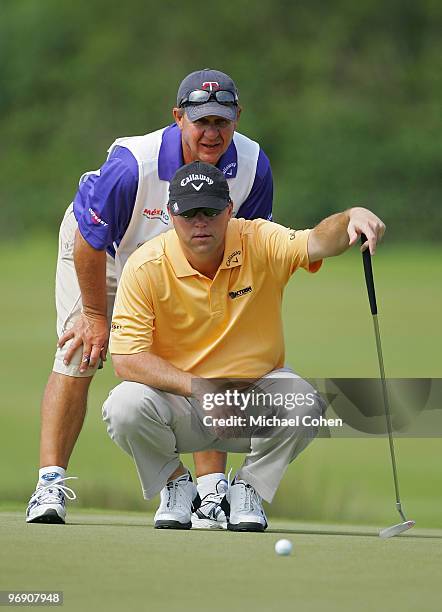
x: 285, y: 250
x: 133, y: 319
x: 259, y: 202
x: 105, y: 200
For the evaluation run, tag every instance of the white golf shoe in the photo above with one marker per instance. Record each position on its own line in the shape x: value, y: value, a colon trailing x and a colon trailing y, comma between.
x: 246, y: 511
x: 210, y: 514
x: 48, y: 502
x: 179, y: 499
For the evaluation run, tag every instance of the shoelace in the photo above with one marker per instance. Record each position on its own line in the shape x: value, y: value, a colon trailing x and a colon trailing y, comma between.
x: 46, y: 493
x: 250, y: 499
x: 246, y: 501
x: 176, y: 494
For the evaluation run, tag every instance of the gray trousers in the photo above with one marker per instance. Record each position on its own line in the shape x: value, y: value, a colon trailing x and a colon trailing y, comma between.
x: 154, y: 427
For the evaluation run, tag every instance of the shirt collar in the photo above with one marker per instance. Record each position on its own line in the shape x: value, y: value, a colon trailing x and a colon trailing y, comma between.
x: 233, y: 248
x: 233, y: 252
x: 170, y: 157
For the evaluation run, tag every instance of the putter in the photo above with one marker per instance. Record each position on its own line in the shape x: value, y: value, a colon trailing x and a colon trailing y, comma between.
x: 394, y: 530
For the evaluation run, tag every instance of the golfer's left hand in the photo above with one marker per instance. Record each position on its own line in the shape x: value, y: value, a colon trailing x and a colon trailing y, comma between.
x: 363, y: 221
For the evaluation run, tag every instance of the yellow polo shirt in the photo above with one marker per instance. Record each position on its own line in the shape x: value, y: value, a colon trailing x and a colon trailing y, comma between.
x: 230, y: 326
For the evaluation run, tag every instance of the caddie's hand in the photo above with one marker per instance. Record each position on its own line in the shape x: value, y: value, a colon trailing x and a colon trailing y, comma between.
x: 363, y: 221
x: 92, y: 332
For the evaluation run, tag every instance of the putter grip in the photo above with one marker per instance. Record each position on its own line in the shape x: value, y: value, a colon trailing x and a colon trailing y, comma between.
x: 368, y: 270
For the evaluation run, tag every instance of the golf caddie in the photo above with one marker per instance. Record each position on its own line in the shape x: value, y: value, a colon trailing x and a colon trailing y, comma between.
x: 199, y: 304
x: 117, y: 208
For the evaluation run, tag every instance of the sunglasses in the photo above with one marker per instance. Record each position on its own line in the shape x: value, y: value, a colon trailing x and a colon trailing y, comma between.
x: 201, y: 96
x: 207, y: 212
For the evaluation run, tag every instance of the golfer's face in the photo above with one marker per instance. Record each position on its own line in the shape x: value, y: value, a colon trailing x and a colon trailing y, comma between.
x: 205, y: 139
x: 203, y: 235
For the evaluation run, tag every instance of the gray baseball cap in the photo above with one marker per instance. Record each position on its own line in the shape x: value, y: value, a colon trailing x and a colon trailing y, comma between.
x: 210, y: 81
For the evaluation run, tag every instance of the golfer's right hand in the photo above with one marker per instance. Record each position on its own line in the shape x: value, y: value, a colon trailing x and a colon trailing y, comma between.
x: 92, y: 332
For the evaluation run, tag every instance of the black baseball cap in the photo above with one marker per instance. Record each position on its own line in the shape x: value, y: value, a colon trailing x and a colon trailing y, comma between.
x: 198, y: 185
x: 211, y: 81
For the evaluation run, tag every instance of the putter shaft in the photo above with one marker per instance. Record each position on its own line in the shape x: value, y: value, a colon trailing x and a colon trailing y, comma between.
x: 387, y: 415
x: 368, y: 270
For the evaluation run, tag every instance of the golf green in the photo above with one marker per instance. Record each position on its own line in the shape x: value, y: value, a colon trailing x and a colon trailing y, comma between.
x: 115, y: 561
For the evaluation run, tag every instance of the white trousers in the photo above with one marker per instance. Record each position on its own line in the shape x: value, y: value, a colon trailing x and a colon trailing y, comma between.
x: 154, y: 427
x: 68, y: 296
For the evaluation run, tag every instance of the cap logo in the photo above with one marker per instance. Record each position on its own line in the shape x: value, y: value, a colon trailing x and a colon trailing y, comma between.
x: 228, y: 170
x: 196, y: 177
x: 210, y: 85
x: 197, y: 187
x: 175, y: 207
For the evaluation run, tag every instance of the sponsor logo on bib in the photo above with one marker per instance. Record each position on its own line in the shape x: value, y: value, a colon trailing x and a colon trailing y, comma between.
x: 156, y: 214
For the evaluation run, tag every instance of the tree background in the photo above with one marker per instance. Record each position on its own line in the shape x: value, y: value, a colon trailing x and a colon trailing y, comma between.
x: 343, y: 96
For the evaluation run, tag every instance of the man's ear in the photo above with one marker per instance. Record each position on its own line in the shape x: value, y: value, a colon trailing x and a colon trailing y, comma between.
x: 178, y: 115
x: 169, y: 213
x: 230, y: 210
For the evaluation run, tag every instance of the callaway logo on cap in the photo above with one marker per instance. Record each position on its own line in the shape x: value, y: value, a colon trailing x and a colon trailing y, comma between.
x: 198, y: 185
x: 196, y: 177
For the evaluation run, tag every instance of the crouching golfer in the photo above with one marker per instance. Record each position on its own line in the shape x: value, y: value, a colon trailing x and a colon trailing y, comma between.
x: 203, y: 301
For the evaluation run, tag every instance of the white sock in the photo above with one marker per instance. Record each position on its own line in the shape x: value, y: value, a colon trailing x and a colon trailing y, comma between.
x: 50, y: 473
x: 211, y: 483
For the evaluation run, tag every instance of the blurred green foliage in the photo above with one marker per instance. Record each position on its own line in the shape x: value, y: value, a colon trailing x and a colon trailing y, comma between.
x: 344, y: 97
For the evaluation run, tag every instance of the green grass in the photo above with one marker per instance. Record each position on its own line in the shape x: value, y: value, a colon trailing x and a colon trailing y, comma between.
x: 329, y: 333
x: 117, y: 561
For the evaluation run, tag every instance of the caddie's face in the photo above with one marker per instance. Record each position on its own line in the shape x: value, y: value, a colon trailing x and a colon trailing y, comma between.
x: 205, y: 139
x: 201, y: 235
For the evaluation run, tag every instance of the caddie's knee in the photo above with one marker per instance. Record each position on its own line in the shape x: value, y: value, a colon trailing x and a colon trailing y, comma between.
x: 122, y: 410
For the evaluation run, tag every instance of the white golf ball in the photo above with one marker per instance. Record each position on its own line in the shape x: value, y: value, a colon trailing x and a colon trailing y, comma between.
x: 283, y: 547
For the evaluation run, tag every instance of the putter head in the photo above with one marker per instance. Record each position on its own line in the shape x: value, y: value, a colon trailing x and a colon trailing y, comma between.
x: 395, y: 530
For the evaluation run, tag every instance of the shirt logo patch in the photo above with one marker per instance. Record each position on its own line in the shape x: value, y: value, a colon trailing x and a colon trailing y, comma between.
x: 156, y: 214
x: 240, y: 292
x: 116, y: 327
x: 228, y: 170
x: 96, y: 220
x: 233, y: 258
